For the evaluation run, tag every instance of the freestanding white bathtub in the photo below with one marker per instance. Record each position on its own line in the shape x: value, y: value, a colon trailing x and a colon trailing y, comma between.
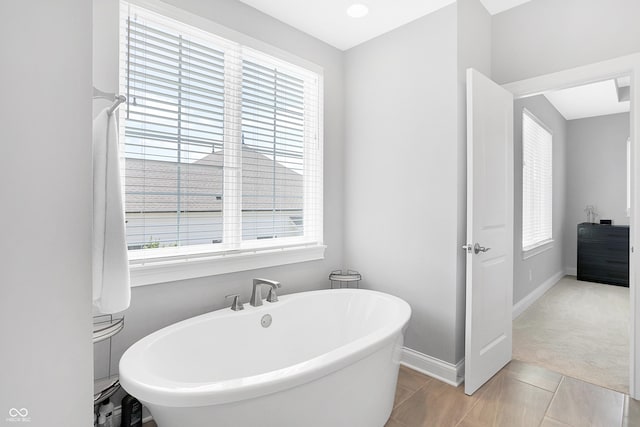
x: 329, y: 358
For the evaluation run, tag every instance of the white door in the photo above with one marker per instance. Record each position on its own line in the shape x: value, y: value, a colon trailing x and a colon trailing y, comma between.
x: 489, y: 229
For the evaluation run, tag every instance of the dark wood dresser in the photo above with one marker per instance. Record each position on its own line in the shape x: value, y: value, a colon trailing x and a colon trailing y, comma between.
x: 603, y: 253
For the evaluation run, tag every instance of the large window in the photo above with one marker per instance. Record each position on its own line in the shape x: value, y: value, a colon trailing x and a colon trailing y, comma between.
x: 537, y: 182
x: 222, y: 143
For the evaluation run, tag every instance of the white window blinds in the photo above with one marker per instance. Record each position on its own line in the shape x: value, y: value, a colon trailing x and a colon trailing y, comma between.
x: 222, y: 143
x: 272, y: 152
x: 537, y: 182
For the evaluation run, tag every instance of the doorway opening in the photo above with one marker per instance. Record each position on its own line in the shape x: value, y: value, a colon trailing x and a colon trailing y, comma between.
x: 571, y: 286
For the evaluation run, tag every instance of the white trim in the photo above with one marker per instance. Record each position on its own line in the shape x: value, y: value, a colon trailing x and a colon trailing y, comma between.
x: 524, y: 303
x: 621, y: 66
x: 537, y: 249
x: 150, y: 256
x: 628, y: 210
x: 572, y: 77
x: 571, y: 271
x: 146, y: 415
x: 436, y: 368
x: 179, y: 269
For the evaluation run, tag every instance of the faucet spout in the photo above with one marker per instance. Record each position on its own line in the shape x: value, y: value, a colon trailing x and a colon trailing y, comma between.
x: 256, y: 295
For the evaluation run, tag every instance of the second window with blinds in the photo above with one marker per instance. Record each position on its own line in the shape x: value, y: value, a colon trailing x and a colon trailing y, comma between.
x: 537, y: 183
x: 222, y: 143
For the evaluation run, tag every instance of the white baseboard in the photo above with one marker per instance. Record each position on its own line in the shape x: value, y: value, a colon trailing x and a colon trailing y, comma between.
x: 436, y: 368
x: 146, y: 415
x: 571, y: 271
x: 524, y: 303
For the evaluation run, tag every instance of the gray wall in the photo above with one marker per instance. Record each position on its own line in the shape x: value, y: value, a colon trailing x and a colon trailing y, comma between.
x: 45, y: 167
x: 405, y: 163
x: 155, y: 306
x: 400, y: 174
x: 596, y: 173
x: 543, y: 36
x: 532, y: 272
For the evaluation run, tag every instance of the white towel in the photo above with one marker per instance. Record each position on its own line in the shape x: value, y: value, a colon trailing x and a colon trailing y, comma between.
x: 111, y: 288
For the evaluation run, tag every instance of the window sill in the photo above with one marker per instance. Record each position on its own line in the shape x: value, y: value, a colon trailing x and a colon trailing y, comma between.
x: 161, y: 271
x: 537, y: 250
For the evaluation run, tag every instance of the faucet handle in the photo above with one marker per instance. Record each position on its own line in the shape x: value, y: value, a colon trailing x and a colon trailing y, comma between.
x: 236, y: 305
x: 272, y: 296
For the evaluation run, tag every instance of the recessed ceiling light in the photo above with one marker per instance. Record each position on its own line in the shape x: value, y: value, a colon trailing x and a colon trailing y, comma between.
x: 357, y: 10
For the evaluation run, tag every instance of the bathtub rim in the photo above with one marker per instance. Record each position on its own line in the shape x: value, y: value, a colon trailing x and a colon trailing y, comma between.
x: 182, y: 394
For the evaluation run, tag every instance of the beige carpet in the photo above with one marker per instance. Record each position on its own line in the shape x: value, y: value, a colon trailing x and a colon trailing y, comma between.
x: 579, y: 329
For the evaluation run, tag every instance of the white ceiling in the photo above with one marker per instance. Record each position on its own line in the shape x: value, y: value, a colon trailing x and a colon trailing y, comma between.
x: 595, y: 99
x: 327, y: 19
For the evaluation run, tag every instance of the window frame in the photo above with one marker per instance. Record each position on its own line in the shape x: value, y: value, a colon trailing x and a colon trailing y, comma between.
x: 544, y: 244
x: 158, y: 265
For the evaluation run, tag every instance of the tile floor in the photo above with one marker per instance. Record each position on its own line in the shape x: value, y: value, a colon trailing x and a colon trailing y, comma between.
x: 519, y: 395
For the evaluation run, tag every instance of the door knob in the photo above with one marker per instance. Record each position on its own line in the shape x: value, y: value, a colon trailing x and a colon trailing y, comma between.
x: 477, y: 248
